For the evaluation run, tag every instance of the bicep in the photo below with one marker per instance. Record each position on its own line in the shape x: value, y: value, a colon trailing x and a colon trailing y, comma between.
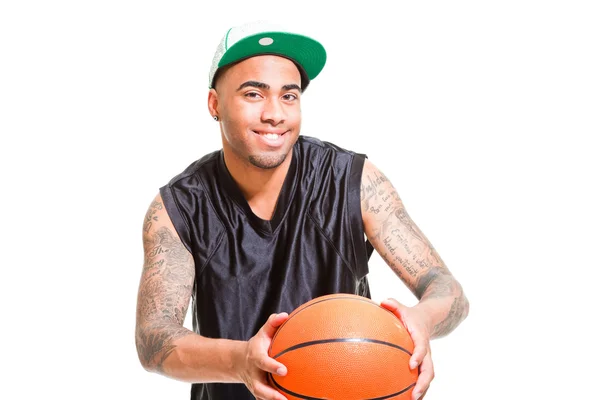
x: 394, y: 235
x: 168, y: 272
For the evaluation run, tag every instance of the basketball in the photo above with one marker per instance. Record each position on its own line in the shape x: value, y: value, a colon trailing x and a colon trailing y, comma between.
x: 343, y: 347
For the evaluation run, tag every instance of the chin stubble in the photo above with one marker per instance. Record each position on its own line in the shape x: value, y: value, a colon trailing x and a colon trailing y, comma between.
x: 267, y: 162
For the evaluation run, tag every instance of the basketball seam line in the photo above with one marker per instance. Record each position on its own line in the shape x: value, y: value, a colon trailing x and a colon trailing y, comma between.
x: 304, y: 397
x: 366, y: 300
x: 342, y: 340
x: 301, y: 396
x: 394, y: 394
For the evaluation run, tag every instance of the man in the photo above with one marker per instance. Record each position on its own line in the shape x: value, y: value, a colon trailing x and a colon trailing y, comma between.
x: 269, y: 222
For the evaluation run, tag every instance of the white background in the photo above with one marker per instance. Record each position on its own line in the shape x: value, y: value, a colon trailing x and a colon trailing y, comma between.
x: 482, y: 114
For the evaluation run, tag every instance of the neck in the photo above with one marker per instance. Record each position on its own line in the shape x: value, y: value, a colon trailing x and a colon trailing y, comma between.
x: 256, y: 183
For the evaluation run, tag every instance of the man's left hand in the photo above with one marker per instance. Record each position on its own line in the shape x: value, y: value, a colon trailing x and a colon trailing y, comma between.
x: 415, y: 321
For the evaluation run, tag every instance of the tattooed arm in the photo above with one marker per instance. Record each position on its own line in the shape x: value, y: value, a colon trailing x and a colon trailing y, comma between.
x: 410, y: 254
x: 163, y: 344
x: 442, y: 302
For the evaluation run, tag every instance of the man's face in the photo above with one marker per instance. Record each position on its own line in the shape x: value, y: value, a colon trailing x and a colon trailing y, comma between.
x: 259, y: 109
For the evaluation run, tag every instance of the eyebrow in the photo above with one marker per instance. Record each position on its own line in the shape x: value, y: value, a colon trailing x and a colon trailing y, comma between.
x: 291, y: 86
x: 261, y: 85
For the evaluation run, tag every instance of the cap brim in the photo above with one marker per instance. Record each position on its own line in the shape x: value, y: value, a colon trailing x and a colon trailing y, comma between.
x: 307, y: 52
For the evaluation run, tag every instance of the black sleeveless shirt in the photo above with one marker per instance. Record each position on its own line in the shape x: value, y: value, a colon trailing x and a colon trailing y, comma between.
x: 248, y: 268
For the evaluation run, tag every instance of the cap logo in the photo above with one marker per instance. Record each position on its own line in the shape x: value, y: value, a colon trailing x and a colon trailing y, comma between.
x: 265, y: 41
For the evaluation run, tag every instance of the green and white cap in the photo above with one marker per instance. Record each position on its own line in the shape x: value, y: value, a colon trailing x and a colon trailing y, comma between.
x: 257, y: 38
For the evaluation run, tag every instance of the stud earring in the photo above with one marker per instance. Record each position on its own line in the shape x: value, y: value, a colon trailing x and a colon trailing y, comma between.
x: 216, y: 118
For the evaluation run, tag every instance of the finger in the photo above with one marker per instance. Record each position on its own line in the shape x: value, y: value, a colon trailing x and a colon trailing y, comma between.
x: 269, y: 364
x: 274, y: 321
x: 426, y: 375
x: 267, y: 392
x: 419, y: 353
x: 423, y: 395
x: 421, y: 348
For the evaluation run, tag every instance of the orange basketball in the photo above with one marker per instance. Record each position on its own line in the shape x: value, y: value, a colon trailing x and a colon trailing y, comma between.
x: 343, y: 347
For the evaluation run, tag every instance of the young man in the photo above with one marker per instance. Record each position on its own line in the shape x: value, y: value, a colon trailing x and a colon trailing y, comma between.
x: 269, y: 222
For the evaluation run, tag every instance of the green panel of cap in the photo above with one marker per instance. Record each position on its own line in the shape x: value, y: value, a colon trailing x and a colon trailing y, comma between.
x: 307, y: 52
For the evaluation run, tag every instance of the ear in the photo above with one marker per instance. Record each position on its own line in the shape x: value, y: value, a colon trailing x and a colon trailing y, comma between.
x: 213, y: 102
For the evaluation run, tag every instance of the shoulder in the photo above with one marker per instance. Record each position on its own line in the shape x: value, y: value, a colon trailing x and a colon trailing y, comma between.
x: 330, y: 167
x: 326, y: 151
x: 195, y: 170
x: 311, y: 142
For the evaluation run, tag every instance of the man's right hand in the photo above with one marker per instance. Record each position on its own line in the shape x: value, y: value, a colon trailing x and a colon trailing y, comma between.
x: 256, y: 361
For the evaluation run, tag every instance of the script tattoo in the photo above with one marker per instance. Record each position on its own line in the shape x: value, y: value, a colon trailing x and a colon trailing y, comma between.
x: 400, y: 242
x: 369, y: 189
x: 404, y: 247
x: 165, y: 290
x: 154, y: 207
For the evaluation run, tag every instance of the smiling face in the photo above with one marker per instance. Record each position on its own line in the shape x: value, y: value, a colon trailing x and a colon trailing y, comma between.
x: 258, y: 103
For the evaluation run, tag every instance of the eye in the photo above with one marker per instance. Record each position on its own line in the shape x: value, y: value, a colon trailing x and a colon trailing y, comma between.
x: 252, y: 95
x: 290, y: 97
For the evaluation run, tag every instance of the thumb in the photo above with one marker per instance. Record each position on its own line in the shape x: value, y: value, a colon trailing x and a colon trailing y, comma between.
x: 272, y: 324
x: 394, y: 306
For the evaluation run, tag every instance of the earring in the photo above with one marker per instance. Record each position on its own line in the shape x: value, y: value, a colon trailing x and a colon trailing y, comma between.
x: 216, y: 118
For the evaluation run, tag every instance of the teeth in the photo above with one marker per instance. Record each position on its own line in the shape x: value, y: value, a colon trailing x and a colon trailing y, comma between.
x: 271, y: 136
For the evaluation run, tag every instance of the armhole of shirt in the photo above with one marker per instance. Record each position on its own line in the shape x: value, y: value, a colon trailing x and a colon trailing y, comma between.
x: 356, y: 224
x: 176, y: 217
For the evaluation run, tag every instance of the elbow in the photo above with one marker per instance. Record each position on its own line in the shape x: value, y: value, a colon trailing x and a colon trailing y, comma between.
x: 142, y: 349
x: 145, y: 364
x: 142, y: 360
x: 155, y: 342
x: 466, y: 306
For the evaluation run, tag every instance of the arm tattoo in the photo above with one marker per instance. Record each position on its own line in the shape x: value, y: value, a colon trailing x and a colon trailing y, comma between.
x: 404, y: 247
x: 439, y: 283
x: 154, y: 207
x: 154, y: 344
x: 458, y: 312
x: 397, y: 238
x: 368, y: 190
x: 165, y: 290
x: 436, y: 282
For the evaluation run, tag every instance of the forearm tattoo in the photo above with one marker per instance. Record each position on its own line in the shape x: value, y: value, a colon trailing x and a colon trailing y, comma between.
x: 404, y: 247
x: 458, y: 312
x: 165, y: 290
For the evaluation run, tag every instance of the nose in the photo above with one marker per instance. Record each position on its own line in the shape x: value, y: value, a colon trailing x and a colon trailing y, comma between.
x: 273, y: 112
